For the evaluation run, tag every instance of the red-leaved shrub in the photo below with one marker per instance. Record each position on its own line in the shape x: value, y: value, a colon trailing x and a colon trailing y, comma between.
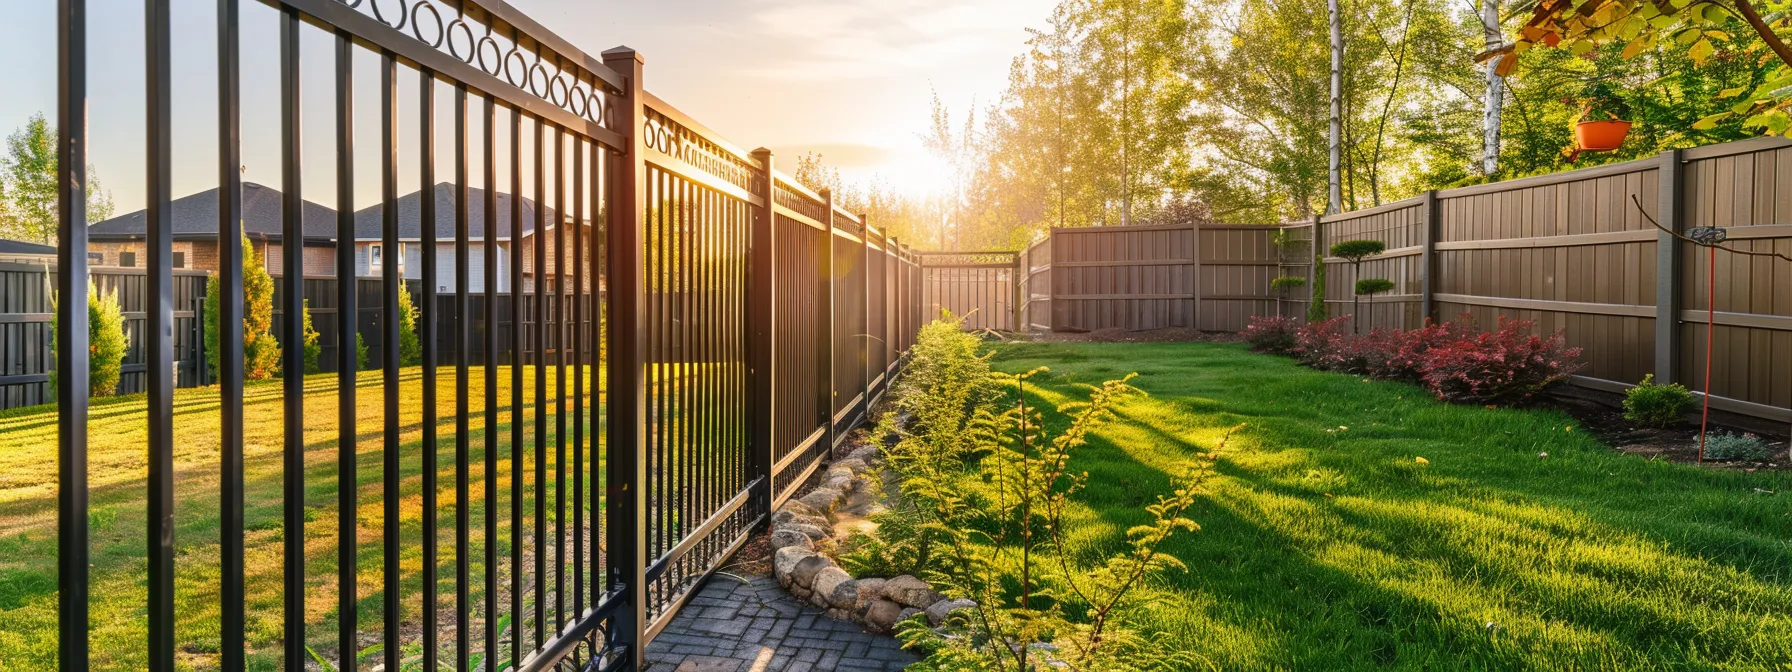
x: 1316, y: 343
x: 1271, y: 334
x: 1508, y: 364
x: 1452, y: 359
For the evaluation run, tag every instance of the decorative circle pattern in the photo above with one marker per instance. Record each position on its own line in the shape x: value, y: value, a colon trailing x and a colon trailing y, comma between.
x: 487, y: 48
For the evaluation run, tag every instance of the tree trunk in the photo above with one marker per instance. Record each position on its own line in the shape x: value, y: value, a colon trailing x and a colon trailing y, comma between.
x: 1496, y: 90
x: 1335, y: 195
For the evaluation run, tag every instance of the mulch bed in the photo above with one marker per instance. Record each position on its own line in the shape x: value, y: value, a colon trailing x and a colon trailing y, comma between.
x: 1602, y: 414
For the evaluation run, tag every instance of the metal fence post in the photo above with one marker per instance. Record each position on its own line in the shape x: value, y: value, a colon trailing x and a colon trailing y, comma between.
x: 828, y: 327
x: 864, y: 339
x: 761, y: 304
x: 1670, y: 181
x: 1428, y: 266
x: 627, y: 409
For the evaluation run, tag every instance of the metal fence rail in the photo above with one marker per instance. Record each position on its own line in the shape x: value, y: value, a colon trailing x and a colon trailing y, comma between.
x: 645, y: 414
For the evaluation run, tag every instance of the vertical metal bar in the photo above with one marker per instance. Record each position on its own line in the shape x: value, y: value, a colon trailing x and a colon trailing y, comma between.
x: 517, y: 295
x: 392, y: 257
x: 828, y: 326
x: 627, y: 410
x: 761, y: 339
x: 578, y: 376
x: 540, y: 364
x: 230, y: 341
x: 463, y: 327
x: 489, y: 288
x: 292, y: 250
x: 158, y: 348
x: 597, y: 382
x: 347, y: 312
x: 426, y: 318
x: 72, y: 552
x: 560, y: 395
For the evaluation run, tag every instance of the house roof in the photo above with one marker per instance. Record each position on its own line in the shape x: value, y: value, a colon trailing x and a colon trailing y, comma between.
x: 22, y: 247
x: 410, y: 215
x: 196, y: 217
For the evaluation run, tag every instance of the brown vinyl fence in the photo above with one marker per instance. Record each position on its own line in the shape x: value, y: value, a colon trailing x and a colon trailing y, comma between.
x: 1577, y: 251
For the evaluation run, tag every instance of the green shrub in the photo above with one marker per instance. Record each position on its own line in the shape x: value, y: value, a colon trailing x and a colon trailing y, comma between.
x: 410, y: 350
x: 261, y: 352
x: 1356, y: 250
x: 1372, y: 286
x: 1316, y: 311
x: 1652, y: 405
x: 1744, y: 447
x: 1287, y: 282
x: 106, y: 344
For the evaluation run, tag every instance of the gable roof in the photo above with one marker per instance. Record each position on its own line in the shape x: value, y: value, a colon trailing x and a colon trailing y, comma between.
x: 196, y: 217
x: 368, y: 225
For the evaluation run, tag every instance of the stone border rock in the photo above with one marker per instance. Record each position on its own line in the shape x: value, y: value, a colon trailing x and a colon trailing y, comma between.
x: 801, y: 525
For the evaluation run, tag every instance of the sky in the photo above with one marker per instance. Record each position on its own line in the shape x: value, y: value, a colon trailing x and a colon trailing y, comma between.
x: 850, y: 79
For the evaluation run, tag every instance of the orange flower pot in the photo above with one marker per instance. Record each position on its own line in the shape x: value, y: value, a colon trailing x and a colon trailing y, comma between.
x: 1600, y: 136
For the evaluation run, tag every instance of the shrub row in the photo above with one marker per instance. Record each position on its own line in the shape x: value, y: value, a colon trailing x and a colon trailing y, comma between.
x: 1454, y: 360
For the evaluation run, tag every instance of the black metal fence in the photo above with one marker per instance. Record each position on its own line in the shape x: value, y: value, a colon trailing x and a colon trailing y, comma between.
x: 694, y: 379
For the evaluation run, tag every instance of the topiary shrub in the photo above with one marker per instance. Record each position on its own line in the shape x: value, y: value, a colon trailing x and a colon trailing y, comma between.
x: 106, y: 344
x: 261, y: 352
x: 1652, y: 405
x: 1743, y: 447
x: 1275, y: 335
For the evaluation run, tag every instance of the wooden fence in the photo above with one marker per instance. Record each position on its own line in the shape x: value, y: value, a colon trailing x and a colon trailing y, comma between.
x: 1577, y: 251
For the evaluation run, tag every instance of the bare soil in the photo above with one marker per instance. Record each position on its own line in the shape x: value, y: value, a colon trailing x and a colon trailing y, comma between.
x: 1602, y: 414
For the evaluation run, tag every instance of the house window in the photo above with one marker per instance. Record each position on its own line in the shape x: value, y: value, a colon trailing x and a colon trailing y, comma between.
x: 127, y: 259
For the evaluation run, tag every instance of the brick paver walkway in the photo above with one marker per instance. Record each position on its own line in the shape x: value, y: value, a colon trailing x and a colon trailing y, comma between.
x: 753, y: 625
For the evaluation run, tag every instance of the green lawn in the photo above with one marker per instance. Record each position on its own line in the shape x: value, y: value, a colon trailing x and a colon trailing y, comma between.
x: 1326, y: 545
x: 117, y: 471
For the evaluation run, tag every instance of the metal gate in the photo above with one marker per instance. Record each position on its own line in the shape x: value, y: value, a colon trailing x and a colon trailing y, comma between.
x: 671, y: 375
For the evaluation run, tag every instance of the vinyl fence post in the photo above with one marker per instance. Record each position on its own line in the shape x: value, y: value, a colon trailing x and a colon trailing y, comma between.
x: 627, y: 408
x: 1428, y: 279
x: 761, y: 300
x: 1314, y: 289
x: 1668, y: 268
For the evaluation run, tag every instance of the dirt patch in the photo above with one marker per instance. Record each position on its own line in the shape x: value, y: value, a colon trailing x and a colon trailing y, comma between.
x: 1602, y: 414
x: 1118, y: 335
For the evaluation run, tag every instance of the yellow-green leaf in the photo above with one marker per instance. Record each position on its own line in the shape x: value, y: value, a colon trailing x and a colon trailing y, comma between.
x: 1701, y: 51
x: 1709, y: 122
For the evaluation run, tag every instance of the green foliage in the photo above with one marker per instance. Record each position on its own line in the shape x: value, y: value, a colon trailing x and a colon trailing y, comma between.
x: 1743, y: 447
x: 410, y: 349
x: 1287, y: 282
x: 106, y: 344
x: 1316, y: 310
x: 312, y: 348
x: 1373, y: 286
x: 1653, y: 405
x: 28, y: 185
x: 1356, y: 250
x: 989, y: 487
x: 1708, y: 31
x: 261, y: 352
